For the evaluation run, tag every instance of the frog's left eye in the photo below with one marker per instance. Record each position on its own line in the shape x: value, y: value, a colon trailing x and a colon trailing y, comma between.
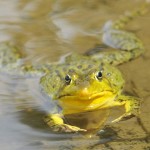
x: 67, y: 79
x: 99, y: 75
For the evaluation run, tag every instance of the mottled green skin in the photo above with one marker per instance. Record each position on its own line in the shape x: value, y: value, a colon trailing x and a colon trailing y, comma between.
x: 127, y: 46
x: 10, y: 57
x: 83, y: 68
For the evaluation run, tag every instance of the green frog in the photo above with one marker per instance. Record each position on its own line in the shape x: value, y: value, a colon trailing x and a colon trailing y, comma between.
x: 84, y: 83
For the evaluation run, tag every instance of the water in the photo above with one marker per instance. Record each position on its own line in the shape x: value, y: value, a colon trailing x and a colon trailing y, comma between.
x: 46, y: 30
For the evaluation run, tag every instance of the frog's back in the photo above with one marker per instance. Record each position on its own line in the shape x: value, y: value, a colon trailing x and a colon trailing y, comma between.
x: 128, y: 44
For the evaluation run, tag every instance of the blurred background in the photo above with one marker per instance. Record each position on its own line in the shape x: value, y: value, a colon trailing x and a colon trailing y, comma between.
x: 46, y: 30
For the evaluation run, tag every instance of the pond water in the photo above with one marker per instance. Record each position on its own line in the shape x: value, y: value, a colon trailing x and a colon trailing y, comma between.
x: 46, y: 30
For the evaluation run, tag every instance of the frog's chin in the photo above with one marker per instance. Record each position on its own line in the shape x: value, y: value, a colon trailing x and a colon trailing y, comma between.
x: 75, y: 104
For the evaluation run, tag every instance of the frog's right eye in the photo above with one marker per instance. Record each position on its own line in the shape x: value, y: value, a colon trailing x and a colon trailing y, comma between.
x: 67, y: 79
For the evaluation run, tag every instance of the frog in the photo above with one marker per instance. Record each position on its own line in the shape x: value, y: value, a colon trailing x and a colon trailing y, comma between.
x: 87, y: 82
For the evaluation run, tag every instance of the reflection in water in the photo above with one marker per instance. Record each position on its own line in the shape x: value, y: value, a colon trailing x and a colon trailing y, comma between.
x: 45, y: 30
x: 91, y: 121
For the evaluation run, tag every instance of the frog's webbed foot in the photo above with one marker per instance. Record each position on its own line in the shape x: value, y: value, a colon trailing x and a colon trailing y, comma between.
x: 67, y: 128
x: 126, y: 46
x: 56, y: 123
x: 132, y: 107
x: 124, y: 117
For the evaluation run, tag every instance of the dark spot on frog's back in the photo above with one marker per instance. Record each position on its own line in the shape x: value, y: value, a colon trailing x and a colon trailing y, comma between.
x: 87, y: 67
x: 79, y: 67
x: 90, y: 66
x: 71, y: 71
x: 53, y: 86
x: 57, y: 71
x: 111, y: 62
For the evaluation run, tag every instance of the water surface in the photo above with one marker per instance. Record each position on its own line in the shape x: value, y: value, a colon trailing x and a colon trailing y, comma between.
x: 46, y: 30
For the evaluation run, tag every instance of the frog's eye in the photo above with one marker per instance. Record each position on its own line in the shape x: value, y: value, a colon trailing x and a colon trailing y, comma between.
x: 67, y: 79
x: 99, y: 75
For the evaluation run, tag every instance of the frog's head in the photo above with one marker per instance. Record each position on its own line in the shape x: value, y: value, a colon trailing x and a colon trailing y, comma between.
x: 84, y: 87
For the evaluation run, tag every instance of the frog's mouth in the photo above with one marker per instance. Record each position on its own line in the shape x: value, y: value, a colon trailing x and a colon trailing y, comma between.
x: 77, y: 103
x: 84, y: 96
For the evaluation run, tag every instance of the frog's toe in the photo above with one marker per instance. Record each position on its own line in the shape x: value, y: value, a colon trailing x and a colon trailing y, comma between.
x: 124, y: 117
x: 66, y: 128
x: 69, y: 128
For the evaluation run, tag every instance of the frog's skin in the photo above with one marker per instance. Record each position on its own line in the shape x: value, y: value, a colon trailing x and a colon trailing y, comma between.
x: 85, y: 83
